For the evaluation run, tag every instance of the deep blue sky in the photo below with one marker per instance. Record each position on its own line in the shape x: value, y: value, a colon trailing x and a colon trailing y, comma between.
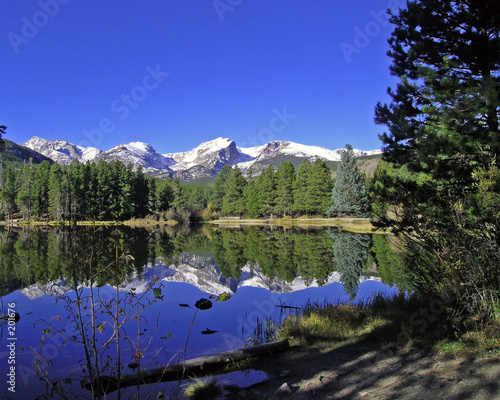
x: 250, y: 70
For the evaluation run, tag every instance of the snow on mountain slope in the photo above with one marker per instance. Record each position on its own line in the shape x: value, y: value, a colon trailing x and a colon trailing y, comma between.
x: 90, y: 154
x: 301, y: 150
x: 213, y: 155
x: 298, y: 150
x: 138, y: 153
x: 206, y: 160
x: 252, y: 151
x: 61, y: 151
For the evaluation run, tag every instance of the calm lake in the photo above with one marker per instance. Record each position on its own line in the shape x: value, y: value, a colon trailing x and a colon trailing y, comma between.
x: 160, y: 274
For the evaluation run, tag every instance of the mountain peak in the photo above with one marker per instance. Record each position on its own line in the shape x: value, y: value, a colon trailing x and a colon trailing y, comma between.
x: 205, y: 160
x: 213, y: 155
x: 138, y: 146
x: 219, y: 143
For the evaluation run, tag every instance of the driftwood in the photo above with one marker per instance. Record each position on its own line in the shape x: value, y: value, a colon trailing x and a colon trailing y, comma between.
x: 292, y: 307
x: 200, y: 366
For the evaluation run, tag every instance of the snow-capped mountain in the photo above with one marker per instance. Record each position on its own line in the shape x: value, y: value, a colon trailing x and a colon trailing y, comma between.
x: 138, y: 153
x: 62, y: 152
x: 282, y: 149
x: 212, y: 155
x: 206, y: 160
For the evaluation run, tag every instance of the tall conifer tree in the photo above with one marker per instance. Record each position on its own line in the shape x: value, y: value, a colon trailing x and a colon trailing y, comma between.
x: 266, y: 186
x: 233, y: 202
x: 443, y: 118
x: 8, y: 192
x: 219, y: 188
x: 41, y: 190
x: 349, y: 194
x: 251, y: 196
x: 444, y: 141
x: 58, y: 193
x: 320, y: 188
x: 285, y: 176
x: 25, y: 195
x: 2, y: 133
x: 301, y: 188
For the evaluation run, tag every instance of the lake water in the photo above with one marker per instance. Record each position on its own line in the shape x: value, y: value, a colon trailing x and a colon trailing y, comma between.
x: 160, y: 274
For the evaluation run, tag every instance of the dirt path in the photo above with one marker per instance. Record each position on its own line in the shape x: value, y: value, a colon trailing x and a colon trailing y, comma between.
x: 352, y: 372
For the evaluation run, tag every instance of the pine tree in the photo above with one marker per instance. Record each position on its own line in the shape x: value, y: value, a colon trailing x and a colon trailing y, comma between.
x: 219, y: 188
x: 285, y: 176
x: 9, y: 192
x: 197, y: 197
x: 2, y: 133
x: 233, y: 202
x: 320, y: 188
x: 301, y: 187
x: 180, y: 199
x: 349, y: 194
x: 152, y: 194
x: 251, y: 197
x: 140, y: 193
x: 128, y: 185
x: 312, y: 189
x: 41, y: 190
x: 77, y: 190
x: 58, y: 193
x: 443, y: 141
x: 25, y: 195
x: 103, y: 180
x: 91, y: 197
x: 266, y: 189
x: 164, y: 195
x: 443, y: 117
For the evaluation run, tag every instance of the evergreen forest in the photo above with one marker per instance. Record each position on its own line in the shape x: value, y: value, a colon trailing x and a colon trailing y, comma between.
x: 112, y: 191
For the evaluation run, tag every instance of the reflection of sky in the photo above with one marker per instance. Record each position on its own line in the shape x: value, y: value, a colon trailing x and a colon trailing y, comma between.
x: 234, y: 319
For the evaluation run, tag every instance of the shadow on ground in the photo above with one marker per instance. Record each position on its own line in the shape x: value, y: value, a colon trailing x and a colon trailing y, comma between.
x: 368, y: 370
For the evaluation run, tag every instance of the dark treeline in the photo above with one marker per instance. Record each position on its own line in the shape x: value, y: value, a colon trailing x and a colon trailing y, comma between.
x: 111, y: 191
x: 93, y: 191
x: 280, y: 192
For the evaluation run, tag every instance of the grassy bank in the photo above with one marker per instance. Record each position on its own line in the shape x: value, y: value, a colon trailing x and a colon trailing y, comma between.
x: 399, y: 321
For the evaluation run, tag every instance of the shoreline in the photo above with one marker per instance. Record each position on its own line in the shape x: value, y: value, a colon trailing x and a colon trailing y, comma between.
x: 133, y: 223
x: 354, y: 225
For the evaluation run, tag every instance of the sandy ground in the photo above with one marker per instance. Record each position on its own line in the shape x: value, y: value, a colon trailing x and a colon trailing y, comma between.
x: 352, y: 372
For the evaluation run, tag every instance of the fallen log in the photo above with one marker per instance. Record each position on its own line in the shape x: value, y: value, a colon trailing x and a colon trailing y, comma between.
x: 195, y: 367
x: 292, y: 307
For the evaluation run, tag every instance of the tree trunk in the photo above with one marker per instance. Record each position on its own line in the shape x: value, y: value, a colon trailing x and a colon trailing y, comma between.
x: 195, y: 367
